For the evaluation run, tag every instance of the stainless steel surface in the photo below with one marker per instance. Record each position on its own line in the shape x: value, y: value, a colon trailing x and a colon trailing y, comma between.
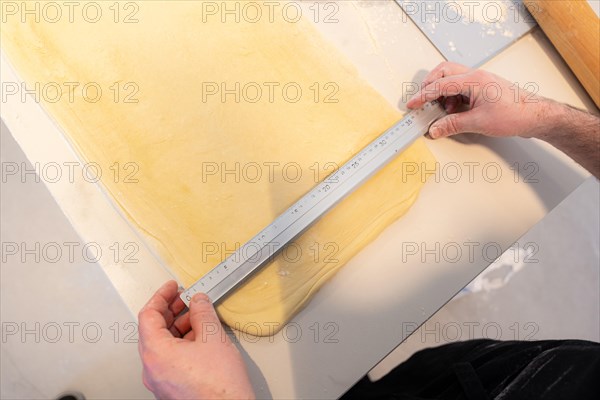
x: 470, y: 32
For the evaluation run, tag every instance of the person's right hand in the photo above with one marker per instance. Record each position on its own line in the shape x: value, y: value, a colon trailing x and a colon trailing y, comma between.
x: 494, y: 106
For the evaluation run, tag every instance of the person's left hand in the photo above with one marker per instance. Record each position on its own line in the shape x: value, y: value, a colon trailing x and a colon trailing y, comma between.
x: 190, y: 356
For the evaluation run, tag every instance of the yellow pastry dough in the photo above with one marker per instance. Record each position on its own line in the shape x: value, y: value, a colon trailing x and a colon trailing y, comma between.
x: 186, y: 141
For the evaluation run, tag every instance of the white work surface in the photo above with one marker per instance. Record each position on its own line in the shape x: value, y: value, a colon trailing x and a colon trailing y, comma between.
x: 362, y: 313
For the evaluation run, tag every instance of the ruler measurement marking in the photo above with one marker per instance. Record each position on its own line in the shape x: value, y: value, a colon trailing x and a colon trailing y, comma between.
x: 299, y: 216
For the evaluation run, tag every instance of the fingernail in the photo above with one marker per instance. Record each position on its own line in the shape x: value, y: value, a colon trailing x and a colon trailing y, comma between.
x: 200, y: 298
x: 434, y: 132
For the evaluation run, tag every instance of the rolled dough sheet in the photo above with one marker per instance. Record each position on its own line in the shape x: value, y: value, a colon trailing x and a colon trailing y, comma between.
x: 172, y: 140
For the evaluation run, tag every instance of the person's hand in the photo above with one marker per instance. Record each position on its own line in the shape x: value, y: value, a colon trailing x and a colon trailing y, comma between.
x: 480, y: 102
x: 190, y: 356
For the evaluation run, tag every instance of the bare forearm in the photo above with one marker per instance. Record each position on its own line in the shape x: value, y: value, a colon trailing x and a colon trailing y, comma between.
x: 574, y: 132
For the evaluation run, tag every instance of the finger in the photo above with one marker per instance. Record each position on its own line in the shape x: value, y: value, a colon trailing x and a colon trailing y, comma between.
x: 203, y: 318
x: 465, y: 100
x: 153, y: 318
x: 164, y: 296
x: 170, y: 294
x: 455, y: 103
x: 453, y: 124
x: 191, y: 336
x: 175, y: 332
x: 182, y: 324
x: 443, y: 70
x: 451, y: 103
x: 177, y: 306
x: 444, y: 87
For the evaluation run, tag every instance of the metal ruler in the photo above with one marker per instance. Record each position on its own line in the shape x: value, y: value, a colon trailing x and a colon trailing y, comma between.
x: 261, y: 249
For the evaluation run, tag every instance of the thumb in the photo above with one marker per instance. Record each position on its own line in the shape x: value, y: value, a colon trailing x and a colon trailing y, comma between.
x: 203, y: 319
x: 451, y: 124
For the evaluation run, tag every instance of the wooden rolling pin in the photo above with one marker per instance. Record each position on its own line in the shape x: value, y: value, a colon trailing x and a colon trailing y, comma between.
x: 574, y: 29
